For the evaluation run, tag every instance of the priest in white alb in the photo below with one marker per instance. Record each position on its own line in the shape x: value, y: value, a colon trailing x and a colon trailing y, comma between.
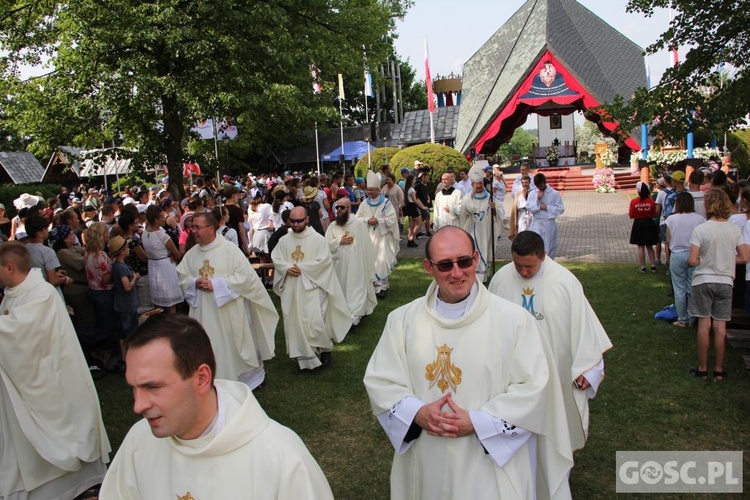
x: 227, y: 297
x: 478, y: 215
x: 546, y: 205
x: 461, y: 383
x: 353, y: 259
x: 555, y: 298
x: 447, y: 203
x: 315, y: 310
x: 52, y: 438
x: 382, y: 223
x: 200, y: 437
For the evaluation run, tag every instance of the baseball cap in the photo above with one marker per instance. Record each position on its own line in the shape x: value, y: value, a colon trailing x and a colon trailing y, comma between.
x: 678, y: 175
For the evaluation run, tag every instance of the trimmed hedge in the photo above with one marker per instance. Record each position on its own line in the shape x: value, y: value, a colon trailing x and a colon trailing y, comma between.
x: 437, y: 156
x: 378, y: 157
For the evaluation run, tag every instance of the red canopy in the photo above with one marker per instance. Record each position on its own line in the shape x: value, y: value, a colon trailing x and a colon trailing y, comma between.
x: 548, y: 82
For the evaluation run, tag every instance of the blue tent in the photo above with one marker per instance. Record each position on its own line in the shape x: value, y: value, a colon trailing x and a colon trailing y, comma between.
x: 355, y: 149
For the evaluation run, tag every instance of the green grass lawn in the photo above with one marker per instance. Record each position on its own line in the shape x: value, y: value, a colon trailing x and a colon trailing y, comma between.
x: 647, y: 401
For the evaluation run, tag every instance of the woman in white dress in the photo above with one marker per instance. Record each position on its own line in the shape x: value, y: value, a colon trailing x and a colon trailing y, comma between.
x: 163, y: 257
x: 521, y: 218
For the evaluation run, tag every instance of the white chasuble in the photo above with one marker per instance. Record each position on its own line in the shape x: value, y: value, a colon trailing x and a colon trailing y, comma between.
x: 384, y: 234
x: 477, y: 220
x: 52, y: 438
x: 314, y: 307
x: 244, y: 455
x: 354, y: 265
x: 238, y: 316
x: 555, y: 299
x: 492, y: 360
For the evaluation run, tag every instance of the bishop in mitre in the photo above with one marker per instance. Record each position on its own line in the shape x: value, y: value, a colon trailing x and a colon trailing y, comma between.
x: 382, y: 226
x: 478, y: 215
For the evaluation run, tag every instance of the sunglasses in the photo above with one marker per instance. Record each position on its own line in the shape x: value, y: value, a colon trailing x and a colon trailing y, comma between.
x: 340, y: 208
x: 296, y: 221
x: 447, y: 265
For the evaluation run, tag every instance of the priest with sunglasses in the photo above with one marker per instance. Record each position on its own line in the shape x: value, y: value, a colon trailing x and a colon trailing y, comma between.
x: 315, y: 310
x: 466, y: 389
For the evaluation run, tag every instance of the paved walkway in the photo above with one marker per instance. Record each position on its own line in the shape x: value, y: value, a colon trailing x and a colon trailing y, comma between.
x: 594, y: 228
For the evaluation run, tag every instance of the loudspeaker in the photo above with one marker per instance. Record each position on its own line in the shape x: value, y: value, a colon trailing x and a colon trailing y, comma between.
x: 368, y: 130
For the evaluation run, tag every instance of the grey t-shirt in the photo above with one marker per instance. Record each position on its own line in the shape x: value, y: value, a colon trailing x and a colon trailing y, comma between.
x: 718, y: 242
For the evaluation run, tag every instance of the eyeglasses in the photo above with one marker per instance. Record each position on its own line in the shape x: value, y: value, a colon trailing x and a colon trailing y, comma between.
x: 447, y: 265
x: 339, y: 207
x: 296, y: 221
x: 199, y: 227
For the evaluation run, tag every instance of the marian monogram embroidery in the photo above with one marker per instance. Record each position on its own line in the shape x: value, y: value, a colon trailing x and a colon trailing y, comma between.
x: 205, y: 272
x: 442, y: 372
x: 298, y: 254
x: 528, y: 303
x: 186, y: 496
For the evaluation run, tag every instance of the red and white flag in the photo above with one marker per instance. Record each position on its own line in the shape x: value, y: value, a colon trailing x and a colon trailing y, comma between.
x: 428, y: 78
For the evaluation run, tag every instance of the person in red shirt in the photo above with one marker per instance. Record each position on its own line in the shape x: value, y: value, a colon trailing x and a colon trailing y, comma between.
x: 645, y: 234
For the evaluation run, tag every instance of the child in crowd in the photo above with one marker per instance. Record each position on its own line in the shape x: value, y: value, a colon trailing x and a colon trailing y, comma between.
x: 123, y: 280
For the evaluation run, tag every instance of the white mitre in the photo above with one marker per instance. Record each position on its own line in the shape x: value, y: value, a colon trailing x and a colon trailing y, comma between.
x: 373, y: 181
x: 476, y: 174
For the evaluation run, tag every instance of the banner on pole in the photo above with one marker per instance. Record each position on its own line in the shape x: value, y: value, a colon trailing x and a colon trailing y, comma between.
x: 428, y: 78
x: 341, y: 87
x: 368, y: 84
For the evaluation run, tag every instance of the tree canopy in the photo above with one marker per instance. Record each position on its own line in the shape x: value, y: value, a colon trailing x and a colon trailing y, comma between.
x: 141, y: 73
x: 710, y: 88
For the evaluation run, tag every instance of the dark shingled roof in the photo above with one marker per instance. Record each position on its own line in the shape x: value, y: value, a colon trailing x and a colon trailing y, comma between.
x: 600, y: 58
x: 416, y: 126
x: 20, y: 168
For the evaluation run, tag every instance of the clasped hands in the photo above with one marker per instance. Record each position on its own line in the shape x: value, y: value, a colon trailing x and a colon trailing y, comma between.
x: 294, y: 271
x: 452, y: 422
x: 204, y: 284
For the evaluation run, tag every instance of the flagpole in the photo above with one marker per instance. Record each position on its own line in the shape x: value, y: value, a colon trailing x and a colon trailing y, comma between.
x: 430, y: 100
x: 317, y: 147
x: 341, y: 113
x: 216, y: 152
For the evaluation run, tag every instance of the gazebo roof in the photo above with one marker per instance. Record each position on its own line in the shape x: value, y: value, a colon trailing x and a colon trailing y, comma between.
x: 20, y: 168
x: 598, y: 57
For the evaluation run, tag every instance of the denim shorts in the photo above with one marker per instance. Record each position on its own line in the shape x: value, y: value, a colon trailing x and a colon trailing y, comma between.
x: 711, y: 300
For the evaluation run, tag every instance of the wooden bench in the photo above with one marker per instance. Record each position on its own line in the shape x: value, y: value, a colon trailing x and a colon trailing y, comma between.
x: 738, y: 338
x: 264, y: 270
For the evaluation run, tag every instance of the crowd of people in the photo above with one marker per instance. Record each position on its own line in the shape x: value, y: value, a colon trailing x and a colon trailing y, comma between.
x: 702, y: 221
x: 195, y: 274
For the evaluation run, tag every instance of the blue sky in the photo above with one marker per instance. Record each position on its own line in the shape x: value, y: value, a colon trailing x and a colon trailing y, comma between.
x: 457, y: 29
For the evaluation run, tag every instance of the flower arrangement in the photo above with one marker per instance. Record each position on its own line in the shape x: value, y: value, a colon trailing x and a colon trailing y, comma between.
x: 669, y: 159
x: 604, y: 180
x: 552, y: 153
x: 607, y: 158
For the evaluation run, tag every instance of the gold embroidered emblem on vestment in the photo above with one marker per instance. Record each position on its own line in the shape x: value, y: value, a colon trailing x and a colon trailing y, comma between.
x: 298, y: 254
x: 186, y: 496
x: 442, y: 372
x: 206, y: 271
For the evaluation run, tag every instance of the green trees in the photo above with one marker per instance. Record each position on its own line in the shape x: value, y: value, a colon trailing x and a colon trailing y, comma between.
x: 696, y: 94
x: 522, y: 144
x: 140, y: 73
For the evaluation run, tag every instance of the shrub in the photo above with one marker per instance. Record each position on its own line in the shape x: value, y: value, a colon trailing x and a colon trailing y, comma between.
x: 378, y: 157
x: 437, y: 156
